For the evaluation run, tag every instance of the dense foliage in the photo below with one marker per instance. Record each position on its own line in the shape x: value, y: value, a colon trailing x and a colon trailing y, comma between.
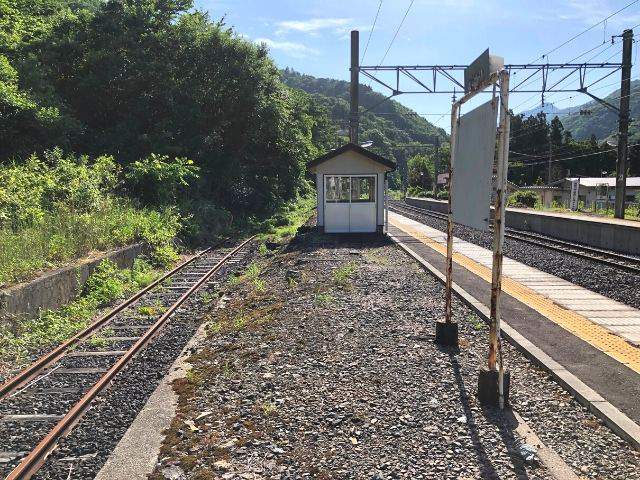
x: 55, y: 208
x: 523, y: 198
x: 131, y: 78
x: 543, y: 152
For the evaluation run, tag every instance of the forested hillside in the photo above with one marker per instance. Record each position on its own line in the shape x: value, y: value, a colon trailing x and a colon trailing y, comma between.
x: 392, y: 127
x: 602, y: 121
x: 598, y: 120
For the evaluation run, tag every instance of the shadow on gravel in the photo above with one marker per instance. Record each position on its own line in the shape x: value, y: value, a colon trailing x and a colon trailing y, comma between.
x: 494, y: 417
x: 309, y: 238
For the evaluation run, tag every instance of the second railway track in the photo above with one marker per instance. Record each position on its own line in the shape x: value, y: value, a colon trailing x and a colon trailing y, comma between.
x: 45, y: 401
x: 612, y: 259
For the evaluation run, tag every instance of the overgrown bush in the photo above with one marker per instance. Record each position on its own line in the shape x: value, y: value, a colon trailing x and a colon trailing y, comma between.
x: 443, y: 195
x: 159, y: 180
x: 414, y: 191
x: 30, y: 190
x: 57, y: 208
x: 523, y: 199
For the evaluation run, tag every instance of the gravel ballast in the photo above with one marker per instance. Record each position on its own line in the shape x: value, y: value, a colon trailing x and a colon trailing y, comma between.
x: 324, y: 366
x: 611, y: 282
x: 84, y: 451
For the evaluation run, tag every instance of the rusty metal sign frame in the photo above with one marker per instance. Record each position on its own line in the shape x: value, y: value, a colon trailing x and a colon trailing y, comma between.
x: 497, y: 79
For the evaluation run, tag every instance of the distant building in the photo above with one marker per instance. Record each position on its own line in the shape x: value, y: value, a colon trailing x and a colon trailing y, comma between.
x: 597, y: 192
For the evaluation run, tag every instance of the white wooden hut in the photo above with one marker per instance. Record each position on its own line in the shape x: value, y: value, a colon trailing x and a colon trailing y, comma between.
x: 352, y: 188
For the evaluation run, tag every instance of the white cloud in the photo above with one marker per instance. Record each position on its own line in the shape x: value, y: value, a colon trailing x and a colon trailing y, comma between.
x: 313, y: 25
x: 293, y: 49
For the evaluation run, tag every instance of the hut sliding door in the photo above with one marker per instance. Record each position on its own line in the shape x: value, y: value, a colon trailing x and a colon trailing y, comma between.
x: 362, y: 212
x: 336, y: 203
x: 350, y: 203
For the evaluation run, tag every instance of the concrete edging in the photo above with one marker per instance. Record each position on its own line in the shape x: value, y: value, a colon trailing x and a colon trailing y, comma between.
x: 617, y: 421
x: 57, y: 287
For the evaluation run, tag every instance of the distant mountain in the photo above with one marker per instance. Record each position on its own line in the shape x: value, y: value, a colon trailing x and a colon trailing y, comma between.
x: 601, y: 121
x: 549, y: 109
x: 391, y: 126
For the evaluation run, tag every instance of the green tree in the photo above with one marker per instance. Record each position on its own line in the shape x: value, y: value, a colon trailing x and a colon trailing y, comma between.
x: 421, y: 171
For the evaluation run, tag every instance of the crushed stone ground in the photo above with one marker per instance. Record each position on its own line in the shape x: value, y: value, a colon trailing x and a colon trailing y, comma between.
x: 323, y: 366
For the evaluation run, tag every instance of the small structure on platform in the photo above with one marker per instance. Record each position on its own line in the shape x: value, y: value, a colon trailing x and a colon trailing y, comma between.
x: 352, y: 189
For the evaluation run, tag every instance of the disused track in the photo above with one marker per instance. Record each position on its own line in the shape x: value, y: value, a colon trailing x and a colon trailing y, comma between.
x: 159, y: 301
x: 613, y: 259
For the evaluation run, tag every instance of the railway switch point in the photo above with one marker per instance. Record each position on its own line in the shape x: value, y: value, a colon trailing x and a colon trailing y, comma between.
x: 447, y: 334
x: 488, y: 393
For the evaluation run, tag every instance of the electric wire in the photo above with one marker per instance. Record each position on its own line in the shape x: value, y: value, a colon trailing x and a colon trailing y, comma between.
x: 371, y: 32
x: 398, y: 30
x: 582, y: 33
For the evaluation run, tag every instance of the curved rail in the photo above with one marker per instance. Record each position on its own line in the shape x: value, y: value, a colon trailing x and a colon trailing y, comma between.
x: 606, y: 257
x: 34, y: 460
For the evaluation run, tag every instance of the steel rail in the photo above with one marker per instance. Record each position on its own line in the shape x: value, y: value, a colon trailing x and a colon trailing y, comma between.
x: 47, y: 359
x: 34, y: 460
x: 606, y: 257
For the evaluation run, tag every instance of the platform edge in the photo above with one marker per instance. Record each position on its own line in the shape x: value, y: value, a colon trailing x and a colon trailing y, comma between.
x: 617, y: 421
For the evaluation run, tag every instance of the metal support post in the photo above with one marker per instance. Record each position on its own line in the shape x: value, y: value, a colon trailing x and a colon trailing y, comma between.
x: 495, y: 355
x: 623, y: 124
x: 386, y: 204
x: 455, y: 110
x: 355, y: 86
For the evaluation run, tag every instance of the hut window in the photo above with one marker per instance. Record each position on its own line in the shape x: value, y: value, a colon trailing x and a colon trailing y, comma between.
x: 363, y: 189
x: 337, y: 189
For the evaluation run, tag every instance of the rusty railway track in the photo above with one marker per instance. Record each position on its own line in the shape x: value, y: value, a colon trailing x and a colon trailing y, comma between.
x: 191, y: 275
x: 605, y: 257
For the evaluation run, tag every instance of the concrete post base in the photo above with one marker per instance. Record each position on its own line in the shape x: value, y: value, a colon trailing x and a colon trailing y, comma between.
x: 447, y: 334
x: 488, y: 394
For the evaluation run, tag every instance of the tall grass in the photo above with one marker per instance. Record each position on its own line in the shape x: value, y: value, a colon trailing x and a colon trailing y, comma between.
x: 65, y: 234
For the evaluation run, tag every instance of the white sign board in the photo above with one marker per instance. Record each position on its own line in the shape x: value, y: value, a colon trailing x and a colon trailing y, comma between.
x: 473, y: 166
x: 575, y: 189
x: 443, y: 178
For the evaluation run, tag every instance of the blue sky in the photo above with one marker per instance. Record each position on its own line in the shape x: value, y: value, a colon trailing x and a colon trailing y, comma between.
x: 312, y: 36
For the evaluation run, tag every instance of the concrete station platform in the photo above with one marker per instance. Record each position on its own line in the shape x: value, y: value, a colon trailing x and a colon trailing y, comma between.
x: 591, y: 336
x: 600, y: 232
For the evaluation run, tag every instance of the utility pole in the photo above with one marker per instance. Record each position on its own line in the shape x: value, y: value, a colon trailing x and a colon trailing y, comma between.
x: 436, y: 164
x: 355, y: 86
x: 623, y: 124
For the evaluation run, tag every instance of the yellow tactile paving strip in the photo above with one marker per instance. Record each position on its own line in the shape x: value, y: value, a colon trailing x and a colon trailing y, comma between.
x: 580, y: 326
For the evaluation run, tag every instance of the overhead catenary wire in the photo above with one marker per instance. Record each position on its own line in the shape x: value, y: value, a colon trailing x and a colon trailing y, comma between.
x: 375, y: 20
x: 395, y: 35
x: 563, y: 159
x: 578, y: 35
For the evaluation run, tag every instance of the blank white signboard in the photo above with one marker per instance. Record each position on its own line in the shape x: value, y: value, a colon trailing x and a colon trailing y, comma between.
x: 473, y: 166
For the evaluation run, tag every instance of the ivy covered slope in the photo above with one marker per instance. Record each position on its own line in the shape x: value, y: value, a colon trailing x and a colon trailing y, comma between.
x: 390, y: 125
x: 603, y: 121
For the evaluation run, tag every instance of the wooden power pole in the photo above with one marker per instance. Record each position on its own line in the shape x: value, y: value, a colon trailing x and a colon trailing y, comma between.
x: 623, y: 124
x: 355, y: 86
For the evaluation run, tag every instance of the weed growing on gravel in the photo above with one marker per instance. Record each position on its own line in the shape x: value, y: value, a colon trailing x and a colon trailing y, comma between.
x: 476, y: 323
x: 269, y: 408
x: 262, y: 249
x: 106, y: 284
x: 322, y: 299
x: 342, y: 275
x: 100, y: 339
